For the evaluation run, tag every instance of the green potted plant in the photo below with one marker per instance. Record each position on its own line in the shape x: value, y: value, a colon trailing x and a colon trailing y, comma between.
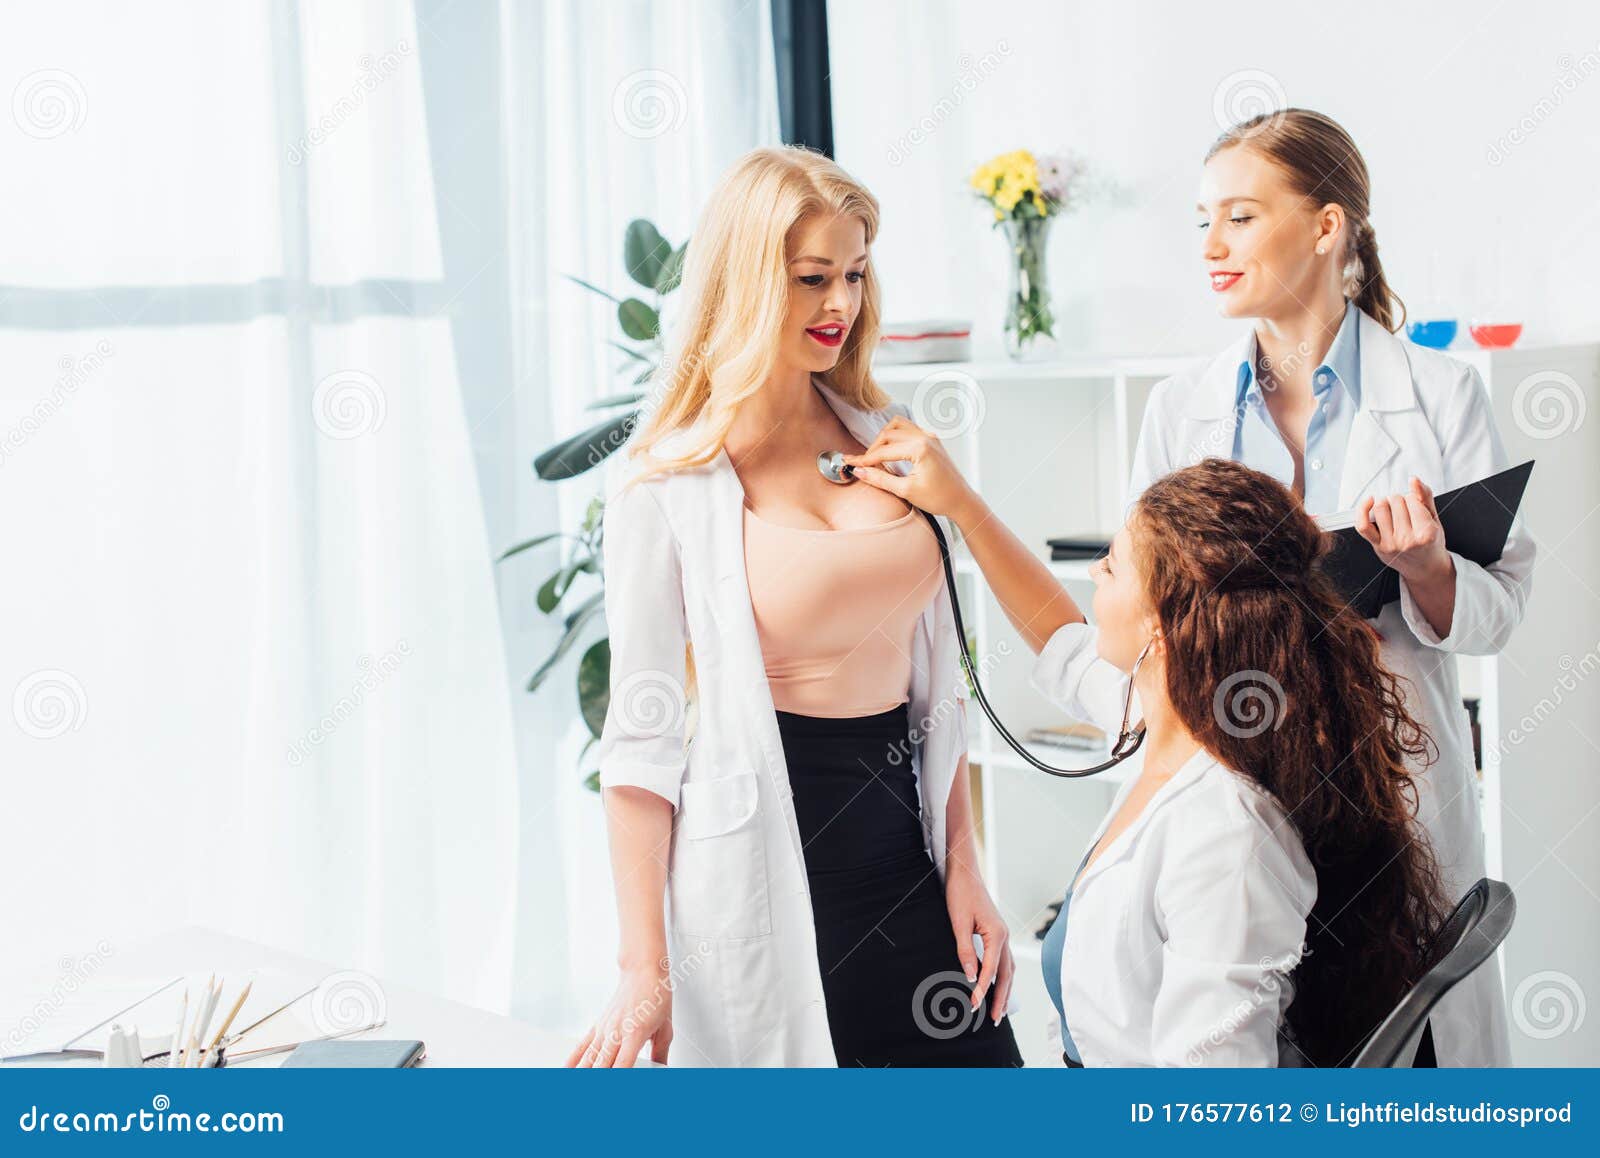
x: 657, y: 267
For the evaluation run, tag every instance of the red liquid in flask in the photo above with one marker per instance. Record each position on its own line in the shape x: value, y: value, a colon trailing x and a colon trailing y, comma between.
x: 1496, y: 336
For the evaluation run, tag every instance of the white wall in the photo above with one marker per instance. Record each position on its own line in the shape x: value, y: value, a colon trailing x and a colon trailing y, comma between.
x: 1482, y: 134
x: 1464, y: 215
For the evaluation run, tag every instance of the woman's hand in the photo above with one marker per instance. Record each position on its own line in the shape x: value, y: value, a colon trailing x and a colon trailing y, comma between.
x: 934, y: 483
x: 640, y: 1011
x: 1404, y: 530
x: 972, y: 911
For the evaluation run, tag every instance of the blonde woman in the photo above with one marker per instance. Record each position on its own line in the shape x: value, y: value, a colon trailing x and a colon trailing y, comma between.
x: 784, y: 757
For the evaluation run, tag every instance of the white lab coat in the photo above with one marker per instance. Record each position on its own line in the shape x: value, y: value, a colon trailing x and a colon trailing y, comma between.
x: 747, y: 984
x: 1182, y: 933
x: 1426, y: 414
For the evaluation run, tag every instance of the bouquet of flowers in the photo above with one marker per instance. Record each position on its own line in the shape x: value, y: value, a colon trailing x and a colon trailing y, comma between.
x: 1026, y: 194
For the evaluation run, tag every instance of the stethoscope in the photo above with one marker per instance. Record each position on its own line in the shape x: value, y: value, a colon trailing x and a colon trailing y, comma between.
x: 833, y: 468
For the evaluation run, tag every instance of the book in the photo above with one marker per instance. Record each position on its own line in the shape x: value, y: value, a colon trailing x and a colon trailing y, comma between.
x: 1091, y: 547
x: 1077, y: 737
x: 1476, y: 519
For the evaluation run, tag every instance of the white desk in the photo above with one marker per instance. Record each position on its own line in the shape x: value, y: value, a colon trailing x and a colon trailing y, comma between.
x: 455, y: 1034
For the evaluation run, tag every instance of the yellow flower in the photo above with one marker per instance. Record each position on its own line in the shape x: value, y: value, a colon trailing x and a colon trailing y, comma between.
x: 1006, y: 179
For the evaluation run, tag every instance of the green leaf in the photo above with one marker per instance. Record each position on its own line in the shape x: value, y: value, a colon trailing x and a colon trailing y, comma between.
x: 624, y: 399
x: 592, y: 781
x: 555, y: 588
x: 638, y: 320
x: 644, y: 376
x: 592, y: 288
x: 645, y: 251
x: 672, y: 271
x: 592, y: 514
x: 526, y: 545
x: 570, y: 458
x: 594, y: 685
x: 574, y: 628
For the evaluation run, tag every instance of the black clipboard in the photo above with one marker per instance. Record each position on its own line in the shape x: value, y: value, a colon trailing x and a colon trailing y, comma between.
x: 1476, y: 519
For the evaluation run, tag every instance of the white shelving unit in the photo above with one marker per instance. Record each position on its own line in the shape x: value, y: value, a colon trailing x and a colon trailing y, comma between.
x: 1052, y: 454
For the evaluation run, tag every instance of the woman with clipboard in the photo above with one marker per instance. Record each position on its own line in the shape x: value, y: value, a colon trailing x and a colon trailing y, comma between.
x: 1323, y: 396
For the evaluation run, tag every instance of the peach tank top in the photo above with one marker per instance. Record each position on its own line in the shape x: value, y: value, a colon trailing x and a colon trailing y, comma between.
x: 836, y: 610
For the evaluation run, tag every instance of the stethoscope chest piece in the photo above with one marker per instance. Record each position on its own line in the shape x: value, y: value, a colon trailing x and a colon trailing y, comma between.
x: 833, y: 467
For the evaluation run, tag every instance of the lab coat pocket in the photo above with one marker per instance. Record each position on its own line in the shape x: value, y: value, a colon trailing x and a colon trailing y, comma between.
x: 718, y: 878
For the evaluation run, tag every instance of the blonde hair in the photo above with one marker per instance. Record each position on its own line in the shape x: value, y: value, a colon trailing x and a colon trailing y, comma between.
x: 736, y: 283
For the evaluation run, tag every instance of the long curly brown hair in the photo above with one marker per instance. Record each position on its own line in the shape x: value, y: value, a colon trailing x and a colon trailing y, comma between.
x: 1282, y: 682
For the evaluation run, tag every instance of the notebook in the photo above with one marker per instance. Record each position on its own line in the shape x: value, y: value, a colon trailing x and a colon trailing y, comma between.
x: 346, y: 1055
x: 1476, y: 519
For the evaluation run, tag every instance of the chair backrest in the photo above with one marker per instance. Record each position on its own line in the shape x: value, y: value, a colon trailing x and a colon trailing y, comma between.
x: 1468, y: 938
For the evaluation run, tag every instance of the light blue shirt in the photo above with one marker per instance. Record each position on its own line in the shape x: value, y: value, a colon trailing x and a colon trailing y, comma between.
x: 1336, y: 385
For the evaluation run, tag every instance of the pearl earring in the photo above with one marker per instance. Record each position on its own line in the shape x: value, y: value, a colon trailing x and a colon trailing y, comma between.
x: 1322, y: 249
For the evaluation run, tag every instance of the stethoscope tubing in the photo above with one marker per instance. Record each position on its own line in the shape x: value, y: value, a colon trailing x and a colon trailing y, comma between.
x: 831, y: 464
x: 1127, y: 742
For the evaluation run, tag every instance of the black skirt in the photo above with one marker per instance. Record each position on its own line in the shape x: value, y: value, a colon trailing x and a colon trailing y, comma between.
x: 894, y: 988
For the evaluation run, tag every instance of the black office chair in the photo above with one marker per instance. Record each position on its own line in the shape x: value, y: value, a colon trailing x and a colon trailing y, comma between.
x: 1468, y: 938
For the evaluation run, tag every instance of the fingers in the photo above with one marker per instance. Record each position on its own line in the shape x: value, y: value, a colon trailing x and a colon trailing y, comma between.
x: 1400, y: 520
x: 628, y: 1054
x: 661, y: 1043
x: 591, y: 1052
x: 885, y: 480
x: 994, y: 947
x: 1382, y: 519
x: 1365, y: 527
x: 1002, y: 985
x: 582, y: 1047
x: 1419, y: 515
x: 1424, y: 494
x: 968, y: 956
x: 608, y: 1053
x: 884, y: 450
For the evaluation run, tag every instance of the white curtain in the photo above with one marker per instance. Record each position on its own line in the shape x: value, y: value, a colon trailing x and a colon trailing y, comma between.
x: 282, y: 325
x: 252, y: 659
x: 613, y: 111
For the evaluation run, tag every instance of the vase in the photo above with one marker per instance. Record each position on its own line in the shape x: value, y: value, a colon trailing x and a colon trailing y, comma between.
x: 1028, y: 316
